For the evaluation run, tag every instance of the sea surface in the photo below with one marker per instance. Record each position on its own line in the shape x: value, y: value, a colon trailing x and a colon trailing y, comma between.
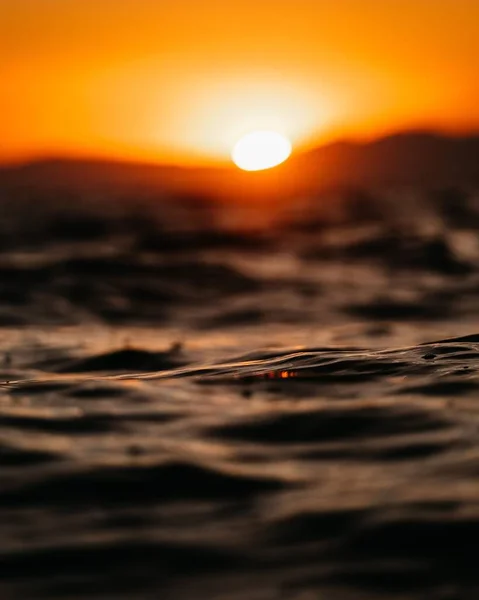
x: 190, y: 411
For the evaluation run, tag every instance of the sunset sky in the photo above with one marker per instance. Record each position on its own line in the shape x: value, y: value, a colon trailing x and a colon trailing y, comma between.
x: 181, y: 80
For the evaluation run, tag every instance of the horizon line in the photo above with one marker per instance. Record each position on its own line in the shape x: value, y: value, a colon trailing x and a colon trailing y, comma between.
x: 213, y: 164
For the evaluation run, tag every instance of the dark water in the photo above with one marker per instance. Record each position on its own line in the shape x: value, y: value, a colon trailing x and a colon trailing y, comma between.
x: 191, y: 413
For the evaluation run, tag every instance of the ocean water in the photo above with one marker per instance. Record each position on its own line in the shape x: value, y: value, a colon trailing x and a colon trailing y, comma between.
x: 193, y: 412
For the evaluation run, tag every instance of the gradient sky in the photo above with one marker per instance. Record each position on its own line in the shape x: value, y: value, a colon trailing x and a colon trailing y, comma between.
x: 180, y: 80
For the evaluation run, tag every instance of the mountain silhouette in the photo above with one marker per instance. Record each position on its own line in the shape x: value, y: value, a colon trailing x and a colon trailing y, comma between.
x: 405, y: 159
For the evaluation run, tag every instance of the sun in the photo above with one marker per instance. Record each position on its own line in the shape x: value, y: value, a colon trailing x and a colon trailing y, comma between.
x: 260, y: 150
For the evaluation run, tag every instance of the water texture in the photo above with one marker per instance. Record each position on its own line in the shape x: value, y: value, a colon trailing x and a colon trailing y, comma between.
x: 193, y: 412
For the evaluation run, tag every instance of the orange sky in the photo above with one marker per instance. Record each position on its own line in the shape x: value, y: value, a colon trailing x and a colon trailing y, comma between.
x: 180, y: 80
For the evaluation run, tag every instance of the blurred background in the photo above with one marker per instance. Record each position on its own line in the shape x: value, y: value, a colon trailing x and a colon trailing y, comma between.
x: 118, y: 122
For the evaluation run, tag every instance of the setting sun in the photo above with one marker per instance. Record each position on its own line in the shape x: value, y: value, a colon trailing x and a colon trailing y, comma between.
x: 261, y: 150
x: 180, y: 81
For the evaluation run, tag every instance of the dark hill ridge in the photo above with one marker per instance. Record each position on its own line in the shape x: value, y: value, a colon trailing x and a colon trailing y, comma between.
x: 402, y: 159
x: 411, y: 158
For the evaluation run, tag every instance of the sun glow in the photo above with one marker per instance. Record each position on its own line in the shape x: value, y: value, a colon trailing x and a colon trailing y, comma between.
x: 181, y: 82
x: 261, y: 150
